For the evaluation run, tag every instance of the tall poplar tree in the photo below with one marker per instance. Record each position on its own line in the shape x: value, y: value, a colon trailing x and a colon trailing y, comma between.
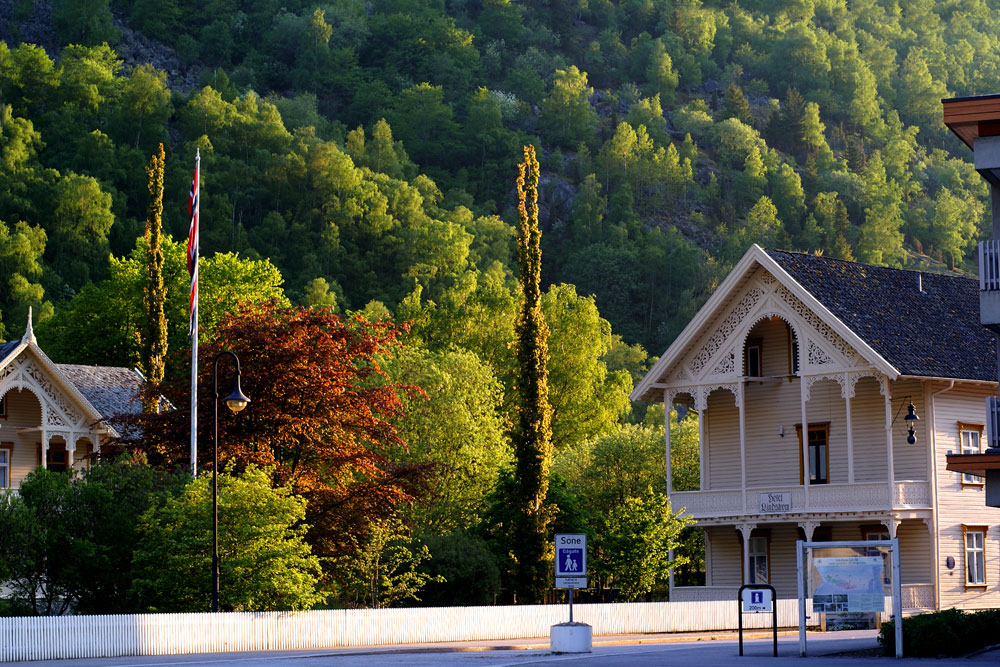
x: 153, y: 334
x: 533, y: 430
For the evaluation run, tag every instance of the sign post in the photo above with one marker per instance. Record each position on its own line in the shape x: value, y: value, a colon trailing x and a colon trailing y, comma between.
x: 571, y: 564
x: 757, y: 599
x: 571, y: 572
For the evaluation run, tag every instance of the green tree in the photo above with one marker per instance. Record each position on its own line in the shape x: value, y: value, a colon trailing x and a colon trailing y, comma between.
x: 153, y: 333
x: 634, y: 543
x: 265, y: 561
x: 78, y: 229
x: 533, y: 430
x: 87, y: 22
x: 21, y: 251
x: 586, y: 398
x: 566, y: 112
x: 385, y: 570
x: 455, y: 425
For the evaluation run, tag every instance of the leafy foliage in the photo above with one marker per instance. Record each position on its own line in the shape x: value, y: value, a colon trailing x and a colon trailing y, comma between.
x: 533, y: 432
x: 265, y: 563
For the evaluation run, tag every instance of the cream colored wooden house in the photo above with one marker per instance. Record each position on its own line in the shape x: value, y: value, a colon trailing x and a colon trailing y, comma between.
x: 801, y: 369
x: 51, y: 414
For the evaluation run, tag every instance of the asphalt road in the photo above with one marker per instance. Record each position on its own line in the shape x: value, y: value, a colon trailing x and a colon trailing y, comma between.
x: 829, y: 649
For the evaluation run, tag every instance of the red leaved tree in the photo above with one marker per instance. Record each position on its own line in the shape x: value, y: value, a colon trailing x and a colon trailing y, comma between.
x: 320, y: 414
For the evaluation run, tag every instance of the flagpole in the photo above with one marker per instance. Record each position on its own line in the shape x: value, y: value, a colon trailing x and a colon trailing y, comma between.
x: 193, y: 235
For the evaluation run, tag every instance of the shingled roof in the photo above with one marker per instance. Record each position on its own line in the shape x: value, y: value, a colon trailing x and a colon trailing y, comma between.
x: 110, y: 389
x: 929, y: 333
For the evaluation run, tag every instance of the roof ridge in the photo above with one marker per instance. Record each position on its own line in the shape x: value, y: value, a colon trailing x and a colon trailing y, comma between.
x: 823, y: 258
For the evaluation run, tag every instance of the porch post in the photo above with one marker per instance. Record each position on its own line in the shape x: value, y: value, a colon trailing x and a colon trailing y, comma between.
x: 804, y: 444
x: 45, y: 449
x: 70, y: 450
x: 739, y: 395
x: 848, y: 390
x: 888, y: 449
x: 745, y: 530
x: 702, y: 449
x: 666, y: 437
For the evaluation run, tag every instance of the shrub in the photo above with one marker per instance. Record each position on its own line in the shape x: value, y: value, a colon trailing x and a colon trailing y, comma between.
x: 951, y: 632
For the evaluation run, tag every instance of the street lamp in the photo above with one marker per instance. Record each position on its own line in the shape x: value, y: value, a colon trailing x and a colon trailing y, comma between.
x: 236, y: 401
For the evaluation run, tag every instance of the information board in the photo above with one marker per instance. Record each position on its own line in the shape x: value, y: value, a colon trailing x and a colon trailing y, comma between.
x: 848, y: 584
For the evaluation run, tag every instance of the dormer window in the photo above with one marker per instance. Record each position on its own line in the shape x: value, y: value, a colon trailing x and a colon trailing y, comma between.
x: 752, y: 359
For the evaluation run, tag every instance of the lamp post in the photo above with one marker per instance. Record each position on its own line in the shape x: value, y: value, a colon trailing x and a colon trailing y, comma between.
x: 236, y: 401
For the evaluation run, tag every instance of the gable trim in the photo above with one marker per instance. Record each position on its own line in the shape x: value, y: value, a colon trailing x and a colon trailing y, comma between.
x: 654, y: 379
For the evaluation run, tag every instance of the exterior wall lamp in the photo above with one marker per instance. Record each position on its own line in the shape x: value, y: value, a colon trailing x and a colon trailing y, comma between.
x: 911, y: 419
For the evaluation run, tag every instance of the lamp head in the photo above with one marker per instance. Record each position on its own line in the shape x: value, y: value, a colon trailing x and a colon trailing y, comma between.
x: 911, y: 419
x: 236, y: 401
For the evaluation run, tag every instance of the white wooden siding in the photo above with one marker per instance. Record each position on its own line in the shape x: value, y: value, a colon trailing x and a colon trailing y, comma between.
x: 909, y: 461
x: 722, y: 424
x: 960, y: 504
x: 772, y: 460
x: 23, y: 411
x: 915, y: 552
x: 726, y: 556
x: 868, y: 424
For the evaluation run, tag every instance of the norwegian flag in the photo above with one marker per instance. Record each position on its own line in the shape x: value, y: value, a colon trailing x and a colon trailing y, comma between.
x: 192, y: 257
x: 192, y: 248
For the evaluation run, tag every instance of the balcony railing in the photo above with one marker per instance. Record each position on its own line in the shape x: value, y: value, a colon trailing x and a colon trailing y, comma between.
x: 989, y: 266
x: 822, y: 498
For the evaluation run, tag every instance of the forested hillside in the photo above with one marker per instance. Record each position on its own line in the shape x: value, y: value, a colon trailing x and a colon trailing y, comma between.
x: 362, y: 155
x: 371, y: 145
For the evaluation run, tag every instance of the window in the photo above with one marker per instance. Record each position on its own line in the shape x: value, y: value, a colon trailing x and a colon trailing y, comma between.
x: 758, y: 560
x: 55, y: 458
x: 5, y: 465
x: 818, y: 453
x: 793, y: 352
x: 878, y: 532
x: 971, y: 438
x: 975, y: 555
x: 753, y: 365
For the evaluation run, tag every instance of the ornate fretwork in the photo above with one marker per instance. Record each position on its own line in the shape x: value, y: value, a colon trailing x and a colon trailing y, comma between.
x: 701, y: 402
x: 816, y: 355
x: 53, y: 418
x: 55, y: 397
x: 681, y: 375
x: 854, y: 376
x: 766, y: 278
x: 726, y: 329
x: 815, y: 322
x: 727, y: 365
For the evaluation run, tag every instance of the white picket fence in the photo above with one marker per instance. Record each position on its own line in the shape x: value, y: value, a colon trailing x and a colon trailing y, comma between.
x: 64, y: 637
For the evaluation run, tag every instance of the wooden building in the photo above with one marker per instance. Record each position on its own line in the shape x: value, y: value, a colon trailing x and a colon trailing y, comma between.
x: 801, y: 370
x: 51, y: 414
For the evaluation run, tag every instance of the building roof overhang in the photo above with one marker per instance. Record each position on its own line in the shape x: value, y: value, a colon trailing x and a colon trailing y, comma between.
x: 974, y: 464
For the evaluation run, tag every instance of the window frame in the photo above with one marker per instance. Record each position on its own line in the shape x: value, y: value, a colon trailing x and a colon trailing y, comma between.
x: 8, y: 468
x: 974, y: 530
x: 979, y: 429
x: 757, y: 345
x: 758, y: 533
x: 794, y: 354
x: 815, y: 426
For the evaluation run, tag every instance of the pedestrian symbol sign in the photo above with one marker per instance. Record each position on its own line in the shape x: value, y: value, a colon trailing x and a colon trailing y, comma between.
x: 571, y: 559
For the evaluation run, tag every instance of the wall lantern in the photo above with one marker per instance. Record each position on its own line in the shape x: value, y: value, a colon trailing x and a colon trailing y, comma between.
x: 911, y: 422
